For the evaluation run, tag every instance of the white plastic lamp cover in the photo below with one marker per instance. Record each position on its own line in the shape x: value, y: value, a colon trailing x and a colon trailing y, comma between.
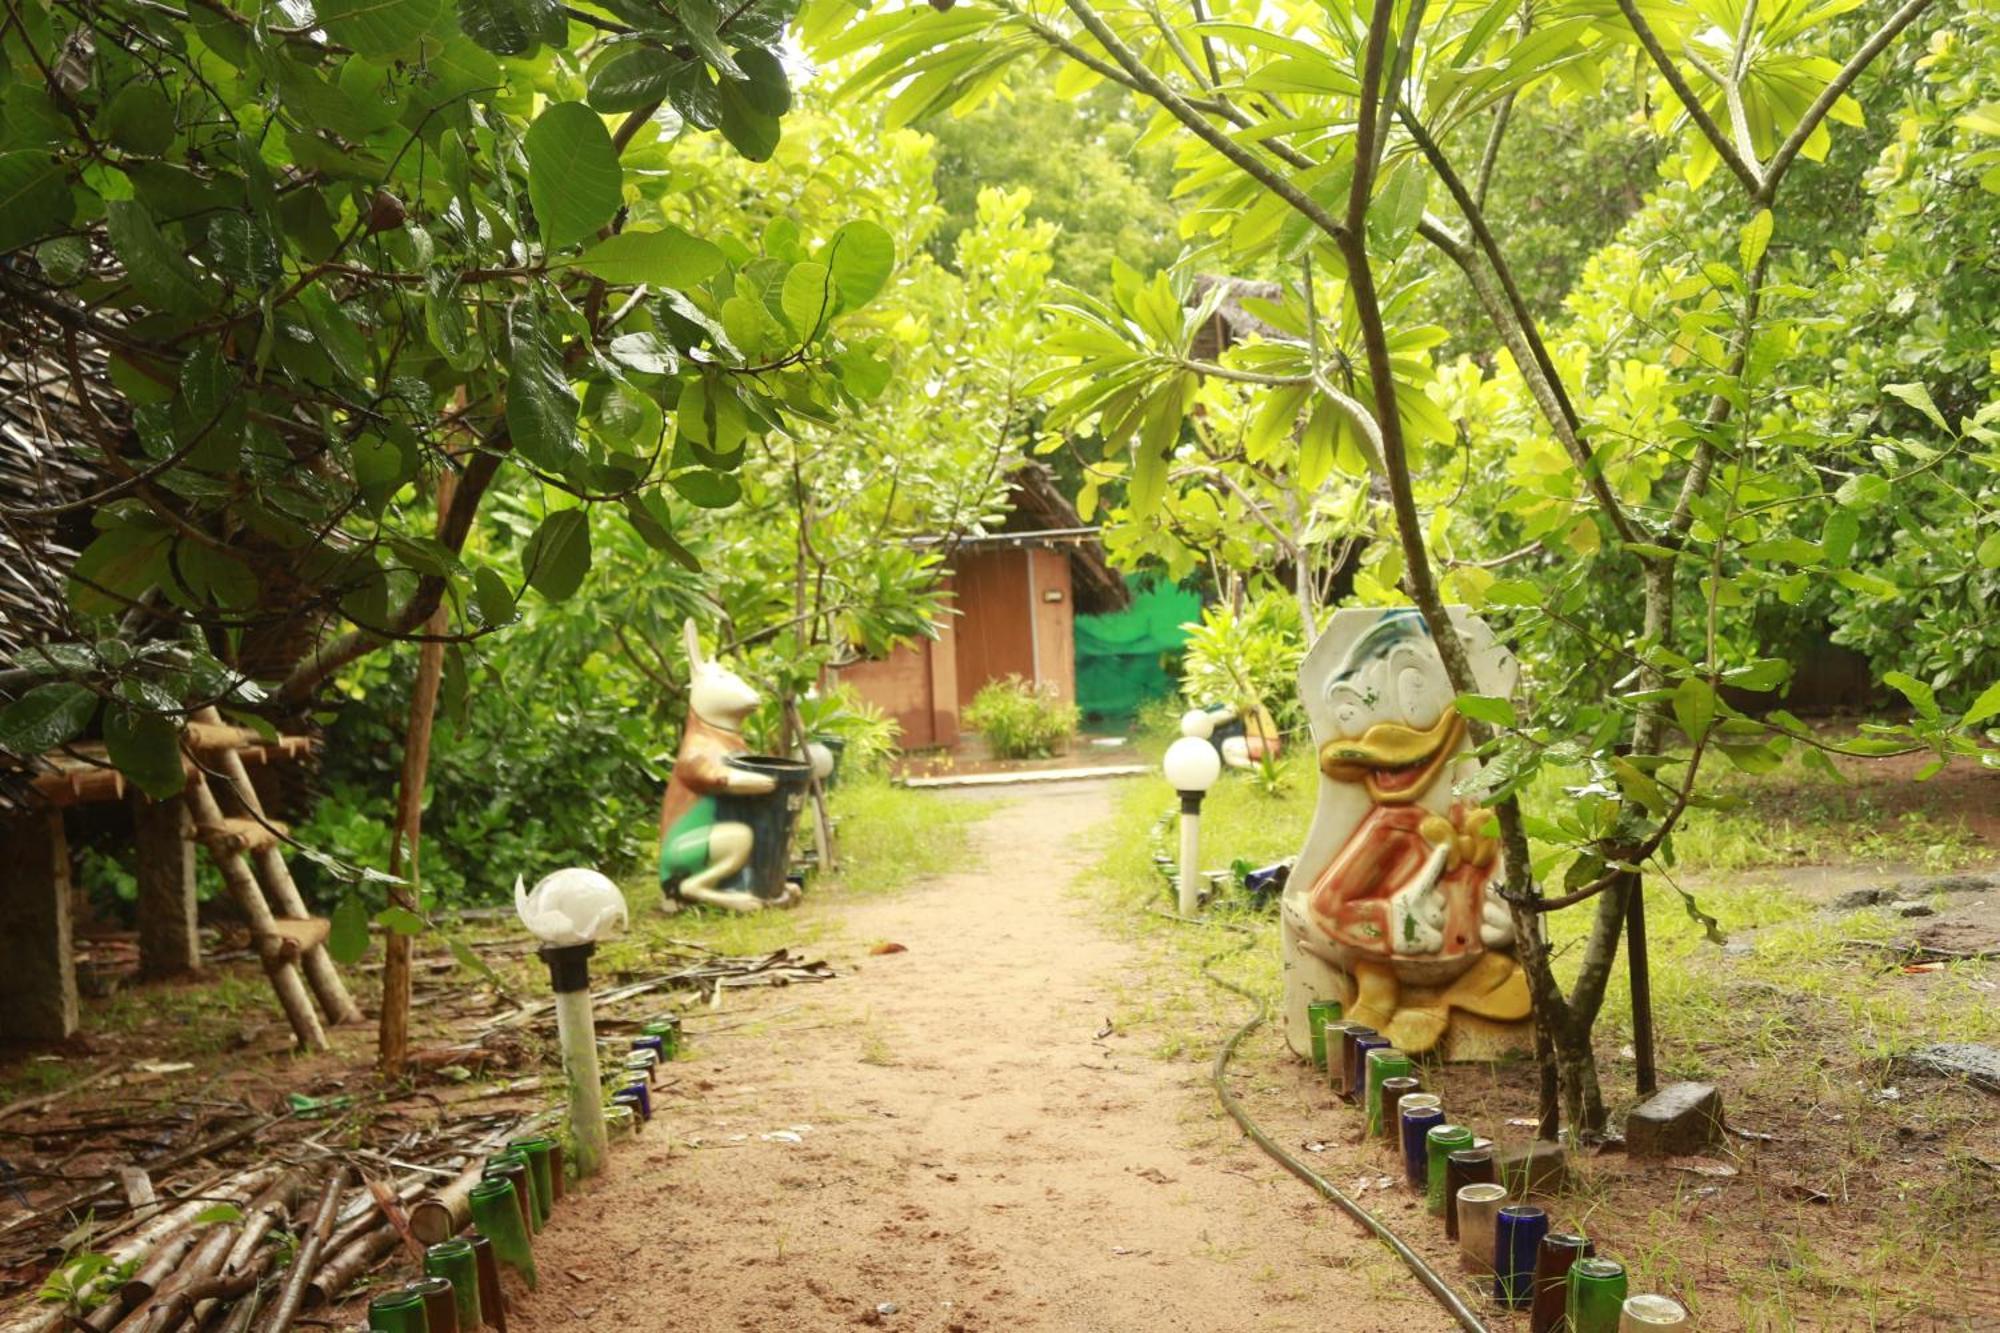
x: 820, y: 756
x: 1198, y: 723
x: 1192, y: 764
x: 574, y: 906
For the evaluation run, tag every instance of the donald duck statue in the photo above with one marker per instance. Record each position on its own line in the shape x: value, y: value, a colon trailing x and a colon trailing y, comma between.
x: 1391, y: 909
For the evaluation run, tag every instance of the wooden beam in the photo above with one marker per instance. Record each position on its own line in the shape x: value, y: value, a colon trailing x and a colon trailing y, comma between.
x: 38, y: 985
x: 169, y: 945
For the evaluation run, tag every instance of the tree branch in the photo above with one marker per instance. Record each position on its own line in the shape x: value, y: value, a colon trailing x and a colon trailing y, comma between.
x: 1696, y: 111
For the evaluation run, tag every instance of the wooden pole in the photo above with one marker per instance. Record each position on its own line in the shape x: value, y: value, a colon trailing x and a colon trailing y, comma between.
x: 393, y: 1039
x: 169, y: 944
x: 1641, y: 971
x: 316, y: 962
x: 292, y: 1296
x: 242, y: 884
x: 38, y: 986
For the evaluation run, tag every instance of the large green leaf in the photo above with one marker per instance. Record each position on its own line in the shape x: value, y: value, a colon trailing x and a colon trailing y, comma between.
x: 541, y: 409
x: 750, y: 129
x: 574, y: 180
x: 45, y: 717
x: 117, y: 568
x: 347, y: 941
x: 633, y: 74
x: 34, y: 198
x: 146, y: 748
x: 558, y: 555
x: 378, y: 27
x: 512, y: 27
x: 861, y: 256
x: 158, y: 269
x: 667, y: 257
x: 808, y: 299
x: 710, y: 490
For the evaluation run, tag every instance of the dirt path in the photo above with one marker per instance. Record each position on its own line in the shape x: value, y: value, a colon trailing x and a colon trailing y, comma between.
x: 969, y: 1151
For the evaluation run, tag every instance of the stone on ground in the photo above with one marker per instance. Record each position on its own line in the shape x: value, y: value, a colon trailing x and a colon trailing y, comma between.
x: 1681, y: 1119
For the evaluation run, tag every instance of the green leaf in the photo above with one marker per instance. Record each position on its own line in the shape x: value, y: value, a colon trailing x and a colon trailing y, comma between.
x: 1921, y: 696
x: 512, y: 27
x: 1919, y: 397
x: 710, y: 490
x: 1836, y: 538
x: 558, y: 555
x: 631, y: 75
x: 158, y: 270
x: 347, y: 941
x: 45, y: 717
x: 1985, y: 706
x: 807, y: 299
x: 470, y: 960
x: 574, y: 180
x: 377, y: 28
x: 1988, y: 553
x: 118, y: 567
x: 750, y: 131
x: 667, y: 257
x: 1694, y: 706
x: 766, y: 86
x: 492, y: 596
x: 860, y: 256
x: 1756, y: 236
x: 140, y: 119
x: 34, y: 198
x: 146, y: 748
x: 401, y: 920
x: 541, y: 409
x: 1864, y: 490
x: 1493, y: 711
x: 216, y: 1212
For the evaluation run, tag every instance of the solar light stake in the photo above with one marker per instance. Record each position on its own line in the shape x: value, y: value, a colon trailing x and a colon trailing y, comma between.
x: 1192, y: 766
x: 569, y: 912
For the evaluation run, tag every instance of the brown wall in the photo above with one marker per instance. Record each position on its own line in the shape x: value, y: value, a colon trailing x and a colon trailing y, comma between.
x: 1006, y: 625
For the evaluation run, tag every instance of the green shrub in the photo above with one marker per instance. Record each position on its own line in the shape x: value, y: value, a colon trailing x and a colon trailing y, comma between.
x: 1021, y: 721
x: 1248, y: 658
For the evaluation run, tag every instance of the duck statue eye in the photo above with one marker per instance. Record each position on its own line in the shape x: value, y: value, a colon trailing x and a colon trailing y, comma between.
x: 1347, y: 717
x: 1417, y: 698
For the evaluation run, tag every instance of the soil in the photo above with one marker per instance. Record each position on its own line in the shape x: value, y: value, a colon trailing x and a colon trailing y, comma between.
x: 951, y: 1138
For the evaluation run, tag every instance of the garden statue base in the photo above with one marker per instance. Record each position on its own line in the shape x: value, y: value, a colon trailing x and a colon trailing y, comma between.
x: 1679, y: 1120
x: 1391, y: 908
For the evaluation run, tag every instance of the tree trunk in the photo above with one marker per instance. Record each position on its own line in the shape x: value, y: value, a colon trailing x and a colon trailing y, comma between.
x: 169, y: 945
x: 393, y: 1042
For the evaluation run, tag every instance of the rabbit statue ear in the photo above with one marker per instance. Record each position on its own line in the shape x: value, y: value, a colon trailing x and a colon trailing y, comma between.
x: 692, y: 639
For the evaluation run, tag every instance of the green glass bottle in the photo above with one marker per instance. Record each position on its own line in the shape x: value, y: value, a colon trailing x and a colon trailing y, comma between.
x: 513, y: 1167
x: 539, y: 1148
x: 498, y: 1217
x: 454, y: 1261
x: 1440, y: 1144
x: 398, y: 1312
x: 1596, y: 1295
x: 1384, y: 1062
x: 1318, y: 1014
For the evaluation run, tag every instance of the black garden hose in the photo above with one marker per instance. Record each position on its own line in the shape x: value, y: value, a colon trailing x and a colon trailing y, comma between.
x: 1467, y: 1318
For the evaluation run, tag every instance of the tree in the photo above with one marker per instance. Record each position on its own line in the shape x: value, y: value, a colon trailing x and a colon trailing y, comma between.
x: 1311, y: 145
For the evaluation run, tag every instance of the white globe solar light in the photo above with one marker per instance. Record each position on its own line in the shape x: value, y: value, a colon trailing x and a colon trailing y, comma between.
x: 1192, y: 765
x: 569, y: 912
x: 820, y: 756
x: 1198, y: 723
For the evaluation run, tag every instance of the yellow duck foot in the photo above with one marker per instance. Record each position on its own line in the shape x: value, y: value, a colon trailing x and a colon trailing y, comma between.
x: 1494, y: 987
x: 1417, y: 1030
x: 1376, y: 992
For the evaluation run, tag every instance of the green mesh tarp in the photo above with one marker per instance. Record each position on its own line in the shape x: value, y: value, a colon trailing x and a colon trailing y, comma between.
x: 1130, y: 656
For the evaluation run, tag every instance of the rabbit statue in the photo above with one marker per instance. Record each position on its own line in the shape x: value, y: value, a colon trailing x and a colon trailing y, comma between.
x: 574, y: 906
x: 699, y: 851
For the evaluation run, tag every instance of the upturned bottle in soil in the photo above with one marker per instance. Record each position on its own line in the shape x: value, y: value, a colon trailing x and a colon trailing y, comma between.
x: 1478, y: 1223
x: 492, y: 1301
x: 1596, y: 1295
x: 1318, y: 1014
x: 1357, y: 1073
x: 540, y: 1152
x: 454, y: 1261
x: 1650, y: 1314
x: 1558, y: 1254
x: 1517, y: 1240
x: 1467, y: 1166
x: 1335, y: 1037
x: 1418, y: 1122
x: 1439, y: 1144
x: 496, y: 1211
x: 513, y: 1167
x: 398, y: 1312
x: 440, y: 1311
x: 1350, y: 1060
x: 1394, y: 1090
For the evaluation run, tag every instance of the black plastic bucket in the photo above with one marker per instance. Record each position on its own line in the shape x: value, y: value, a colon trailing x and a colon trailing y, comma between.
x: 771, y: 818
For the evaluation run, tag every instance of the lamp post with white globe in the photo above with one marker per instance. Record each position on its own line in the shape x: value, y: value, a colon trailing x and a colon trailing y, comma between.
x: 1192, y: 766
x: 569, y: 912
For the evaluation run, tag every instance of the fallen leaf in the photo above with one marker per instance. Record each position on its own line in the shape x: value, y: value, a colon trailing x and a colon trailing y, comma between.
x: 1154, y: 1174
x: 1701, y: 1166
x: 889, y: 946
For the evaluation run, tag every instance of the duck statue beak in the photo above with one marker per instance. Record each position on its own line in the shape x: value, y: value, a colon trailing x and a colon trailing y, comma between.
x: 1396, y: 762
